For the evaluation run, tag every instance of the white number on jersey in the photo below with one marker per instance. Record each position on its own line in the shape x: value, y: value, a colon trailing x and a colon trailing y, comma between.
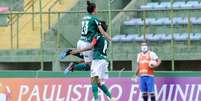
x: 105, y: 47
x: 84, y: 27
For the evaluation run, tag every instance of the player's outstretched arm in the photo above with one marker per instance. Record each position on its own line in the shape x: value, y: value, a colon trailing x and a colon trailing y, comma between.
x: 106, y: 35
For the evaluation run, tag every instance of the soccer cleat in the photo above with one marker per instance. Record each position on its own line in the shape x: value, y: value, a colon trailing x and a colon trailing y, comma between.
x: 69, y: 68
x: 113, y: 99
x: 65, y: 53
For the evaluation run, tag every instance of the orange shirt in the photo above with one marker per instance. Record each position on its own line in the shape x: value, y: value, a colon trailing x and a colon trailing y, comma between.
x: 144, y: 60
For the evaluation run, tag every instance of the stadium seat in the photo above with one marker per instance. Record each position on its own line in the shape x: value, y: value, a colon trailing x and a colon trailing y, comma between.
x: 131, y: 37
x: 175, y: 5
x: 195, y: 20
x: 156, y: 37
x: 166, y: 37
x: 124, y: 38
x: 139, y: 38
x: 180, y: 37
x: 163, y: 21
x: 135, y: 21
x: 150, y: 21
x: 153, y: 5
x: 149, y: 36
x: 185, y: 20
x: 193, y: 4
x: 157, y: 22
x: 177, y: 20
x: 117, y: 38
x: 180, y: 20
x: 144, y: 7
x: 195, y: 36
x: 153, y: 37
x: 165, y: 5
x: 150, y: 6
x: 180, y: 4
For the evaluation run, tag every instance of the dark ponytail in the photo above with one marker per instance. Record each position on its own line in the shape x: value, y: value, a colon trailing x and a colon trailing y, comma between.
x: 104, y: 25
x: 88, y: 2
x: 90, y: 6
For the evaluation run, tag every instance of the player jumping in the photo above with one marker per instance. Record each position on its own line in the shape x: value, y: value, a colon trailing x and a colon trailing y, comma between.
x: 90, y: 26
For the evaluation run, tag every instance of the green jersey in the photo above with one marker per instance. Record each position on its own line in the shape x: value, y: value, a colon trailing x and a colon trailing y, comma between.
x: 89, y: 28
x: 100, y: 47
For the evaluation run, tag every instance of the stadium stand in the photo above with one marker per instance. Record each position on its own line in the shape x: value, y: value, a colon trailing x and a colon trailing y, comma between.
x: 26, y: 43
x: 157, y: 37
x: 175, y: 5
x: 23, y: 28
x: 159, y: 24
x: 163, y: 21
x: 29, y: 54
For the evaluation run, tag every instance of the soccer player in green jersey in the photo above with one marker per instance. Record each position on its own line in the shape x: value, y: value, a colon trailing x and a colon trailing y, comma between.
x: 99, y: 66
x: 91, y: 25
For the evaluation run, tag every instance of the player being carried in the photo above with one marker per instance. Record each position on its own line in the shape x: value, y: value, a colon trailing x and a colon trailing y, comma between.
x: 91, y: 25
x: 99, y: 66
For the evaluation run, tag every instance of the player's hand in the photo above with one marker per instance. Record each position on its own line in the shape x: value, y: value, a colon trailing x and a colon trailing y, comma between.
x: 134, y: 79
x: 65, y: 53
x: 154, y: 66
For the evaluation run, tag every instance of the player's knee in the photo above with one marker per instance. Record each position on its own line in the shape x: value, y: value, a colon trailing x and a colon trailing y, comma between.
x: 100, y: 84
x: 95, y: 80
x: 144, y: 94
x: 88, y: 67
x: 152, y: 94
x: 88, y: 63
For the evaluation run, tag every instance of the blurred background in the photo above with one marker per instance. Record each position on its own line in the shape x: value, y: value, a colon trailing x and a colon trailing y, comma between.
x: 34, y: 32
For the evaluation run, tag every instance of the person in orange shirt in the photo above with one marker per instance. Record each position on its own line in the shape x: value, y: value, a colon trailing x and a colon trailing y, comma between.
x: 147, y: 60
